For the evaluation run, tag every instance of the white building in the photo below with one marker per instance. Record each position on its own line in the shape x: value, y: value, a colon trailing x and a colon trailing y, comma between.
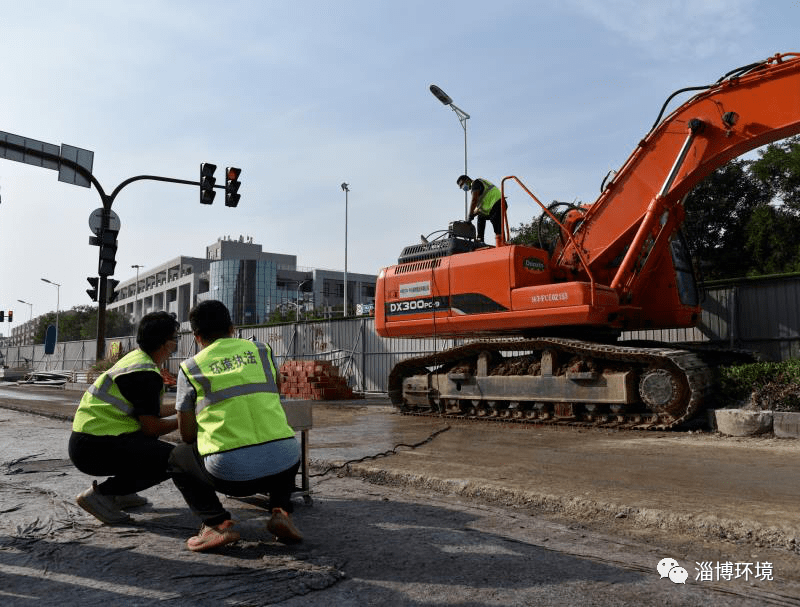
x: 250, y: 282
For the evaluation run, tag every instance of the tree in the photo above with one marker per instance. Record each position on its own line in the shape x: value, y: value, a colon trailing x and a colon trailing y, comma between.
x: 779, y: 168
x: 718, y: 211
x: 771, y: 241
x: 80, y: 323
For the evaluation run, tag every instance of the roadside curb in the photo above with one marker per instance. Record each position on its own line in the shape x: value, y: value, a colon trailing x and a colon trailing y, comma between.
x: 740, y: 422
x: 579, y: 509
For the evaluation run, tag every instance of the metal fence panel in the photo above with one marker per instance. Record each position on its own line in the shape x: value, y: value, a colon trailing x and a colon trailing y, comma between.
x: 761, y: 314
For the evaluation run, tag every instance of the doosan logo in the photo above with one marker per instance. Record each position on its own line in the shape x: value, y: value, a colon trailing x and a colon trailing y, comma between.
x: 533, y: 264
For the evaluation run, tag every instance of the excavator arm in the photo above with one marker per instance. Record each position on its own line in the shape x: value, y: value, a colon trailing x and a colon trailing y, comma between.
x: 628, y: 229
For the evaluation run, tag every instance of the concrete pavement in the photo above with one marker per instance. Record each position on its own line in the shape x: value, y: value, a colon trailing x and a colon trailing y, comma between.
x: 697, y: 497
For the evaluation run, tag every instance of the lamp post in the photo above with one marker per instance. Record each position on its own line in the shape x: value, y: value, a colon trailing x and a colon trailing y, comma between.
x: 300, y: 283
x: 29, y: 328
x: 30, y: 309
x: 136, y: 300
x: 462, y: 118
x: 346, y: 188
x: 58, y: 296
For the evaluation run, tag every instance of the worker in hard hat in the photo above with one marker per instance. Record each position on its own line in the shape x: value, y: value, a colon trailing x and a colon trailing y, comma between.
x: 485, y: 204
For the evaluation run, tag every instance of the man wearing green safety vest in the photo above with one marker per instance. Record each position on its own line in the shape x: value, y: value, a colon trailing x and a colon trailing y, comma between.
x: 236, y: 437
x: 485, y: 204
x: 117, y: 424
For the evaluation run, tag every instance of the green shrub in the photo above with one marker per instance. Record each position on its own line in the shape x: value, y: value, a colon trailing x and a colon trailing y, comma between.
x: 767, y: 384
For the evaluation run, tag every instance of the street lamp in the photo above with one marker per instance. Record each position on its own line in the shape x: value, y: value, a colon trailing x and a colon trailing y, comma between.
x: 346, y: 188
x: 297, y: 300
x: 462, y: 118
x: 136, y: 300
x: 30, y: 309
x: 30, y: 318
x: 58, y: 296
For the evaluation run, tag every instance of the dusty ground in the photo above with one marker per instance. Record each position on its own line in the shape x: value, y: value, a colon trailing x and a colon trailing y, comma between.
x: 478, y: 515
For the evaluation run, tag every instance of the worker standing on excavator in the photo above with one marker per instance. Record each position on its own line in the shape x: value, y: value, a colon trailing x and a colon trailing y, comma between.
x: 485, y: 204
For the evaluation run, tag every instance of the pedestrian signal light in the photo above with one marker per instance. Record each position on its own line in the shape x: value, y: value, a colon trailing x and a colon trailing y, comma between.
x: 93, y: 280
x: 111, y: 290
x: 207, y: 182
x: 232, y: 186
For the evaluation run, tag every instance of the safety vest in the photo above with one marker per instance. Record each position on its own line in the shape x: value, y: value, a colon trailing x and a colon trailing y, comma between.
x: 490, y: 196
x: 103, y: 410
x: 238, y: 404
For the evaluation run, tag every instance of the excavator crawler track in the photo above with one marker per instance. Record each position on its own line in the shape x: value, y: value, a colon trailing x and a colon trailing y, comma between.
x: 556, y: 381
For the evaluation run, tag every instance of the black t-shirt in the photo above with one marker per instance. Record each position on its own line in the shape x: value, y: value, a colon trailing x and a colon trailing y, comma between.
x: 477, y: 186
x: 143, y: 390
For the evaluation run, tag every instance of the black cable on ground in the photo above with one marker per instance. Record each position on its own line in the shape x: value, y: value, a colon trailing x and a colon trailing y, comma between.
x: 384, y: 454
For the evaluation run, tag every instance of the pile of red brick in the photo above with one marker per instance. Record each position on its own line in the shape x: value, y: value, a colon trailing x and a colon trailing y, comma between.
x: 313, y: 380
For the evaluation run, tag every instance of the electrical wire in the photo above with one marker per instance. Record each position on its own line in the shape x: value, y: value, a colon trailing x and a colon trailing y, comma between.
x: 384, y: 454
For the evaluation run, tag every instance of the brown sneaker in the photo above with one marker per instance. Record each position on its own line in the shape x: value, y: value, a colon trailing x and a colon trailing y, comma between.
x: 102, y: 507
x: 213, y: 537
x: 281, y: 526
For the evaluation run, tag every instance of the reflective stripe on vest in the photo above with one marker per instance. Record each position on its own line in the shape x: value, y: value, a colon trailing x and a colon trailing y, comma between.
x: 238, y: 404
x: 103, y: 410
x: 490, y: 196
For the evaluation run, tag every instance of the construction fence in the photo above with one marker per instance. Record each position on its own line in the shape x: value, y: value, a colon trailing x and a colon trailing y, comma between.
x: 759, y: 314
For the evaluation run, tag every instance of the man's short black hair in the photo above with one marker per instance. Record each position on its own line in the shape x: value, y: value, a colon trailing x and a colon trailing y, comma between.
x: 210, y: 320
x: 462, y: 178
x: 156, y: 329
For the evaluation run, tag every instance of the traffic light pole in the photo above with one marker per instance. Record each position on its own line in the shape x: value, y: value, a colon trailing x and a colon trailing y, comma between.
x: 102, y: 289
x: 107, y: 200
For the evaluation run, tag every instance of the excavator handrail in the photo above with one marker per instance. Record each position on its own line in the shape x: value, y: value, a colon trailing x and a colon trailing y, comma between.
x: 564, y: 230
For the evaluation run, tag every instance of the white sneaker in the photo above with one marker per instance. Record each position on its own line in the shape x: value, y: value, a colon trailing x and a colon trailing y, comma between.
x: 103, y: 507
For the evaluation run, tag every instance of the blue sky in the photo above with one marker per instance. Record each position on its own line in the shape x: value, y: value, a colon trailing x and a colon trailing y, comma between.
x: 303, y: 95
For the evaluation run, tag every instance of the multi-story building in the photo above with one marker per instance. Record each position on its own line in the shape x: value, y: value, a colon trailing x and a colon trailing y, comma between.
x: 252, y: 283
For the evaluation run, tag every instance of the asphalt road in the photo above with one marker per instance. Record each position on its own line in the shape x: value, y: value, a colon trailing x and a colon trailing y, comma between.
x: 475, y: 516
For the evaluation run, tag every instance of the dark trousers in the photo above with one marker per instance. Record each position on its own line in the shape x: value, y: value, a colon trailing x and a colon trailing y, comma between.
x: 199, y: 488
x: 133, y: 461
x: 494, y: 217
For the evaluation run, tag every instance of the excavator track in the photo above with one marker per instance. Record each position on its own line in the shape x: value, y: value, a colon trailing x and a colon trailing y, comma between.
x: 556, y: 381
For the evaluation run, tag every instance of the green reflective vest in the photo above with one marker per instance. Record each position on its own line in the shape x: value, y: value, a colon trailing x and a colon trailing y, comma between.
x: 103, y: 410
x: 238, y: 404
x: 490, y: 196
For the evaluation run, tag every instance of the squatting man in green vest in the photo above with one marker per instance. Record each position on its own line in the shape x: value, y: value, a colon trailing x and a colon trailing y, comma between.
x: 485, y: 204
x: 117, y: 424
x: 236, y: 437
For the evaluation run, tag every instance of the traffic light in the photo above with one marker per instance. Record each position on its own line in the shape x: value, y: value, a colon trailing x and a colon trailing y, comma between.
x: 2, y: 315
x: 207, y: 182
x: 11, y: 316
x: 108, y: 252
x: 93, y: 280
x: 111, y: 290
x: 232, y: 186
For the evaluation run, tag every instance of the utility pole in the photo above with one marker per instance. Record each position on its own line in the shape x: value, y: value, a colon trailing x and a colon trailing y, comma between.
x: 136, y: 299
x: 346, y: 188
x: 74, y: 165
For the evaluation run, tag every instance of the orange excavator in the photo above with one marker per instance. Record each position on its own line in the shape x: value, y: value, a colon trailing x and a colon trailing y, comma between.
x: 542, y: 322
